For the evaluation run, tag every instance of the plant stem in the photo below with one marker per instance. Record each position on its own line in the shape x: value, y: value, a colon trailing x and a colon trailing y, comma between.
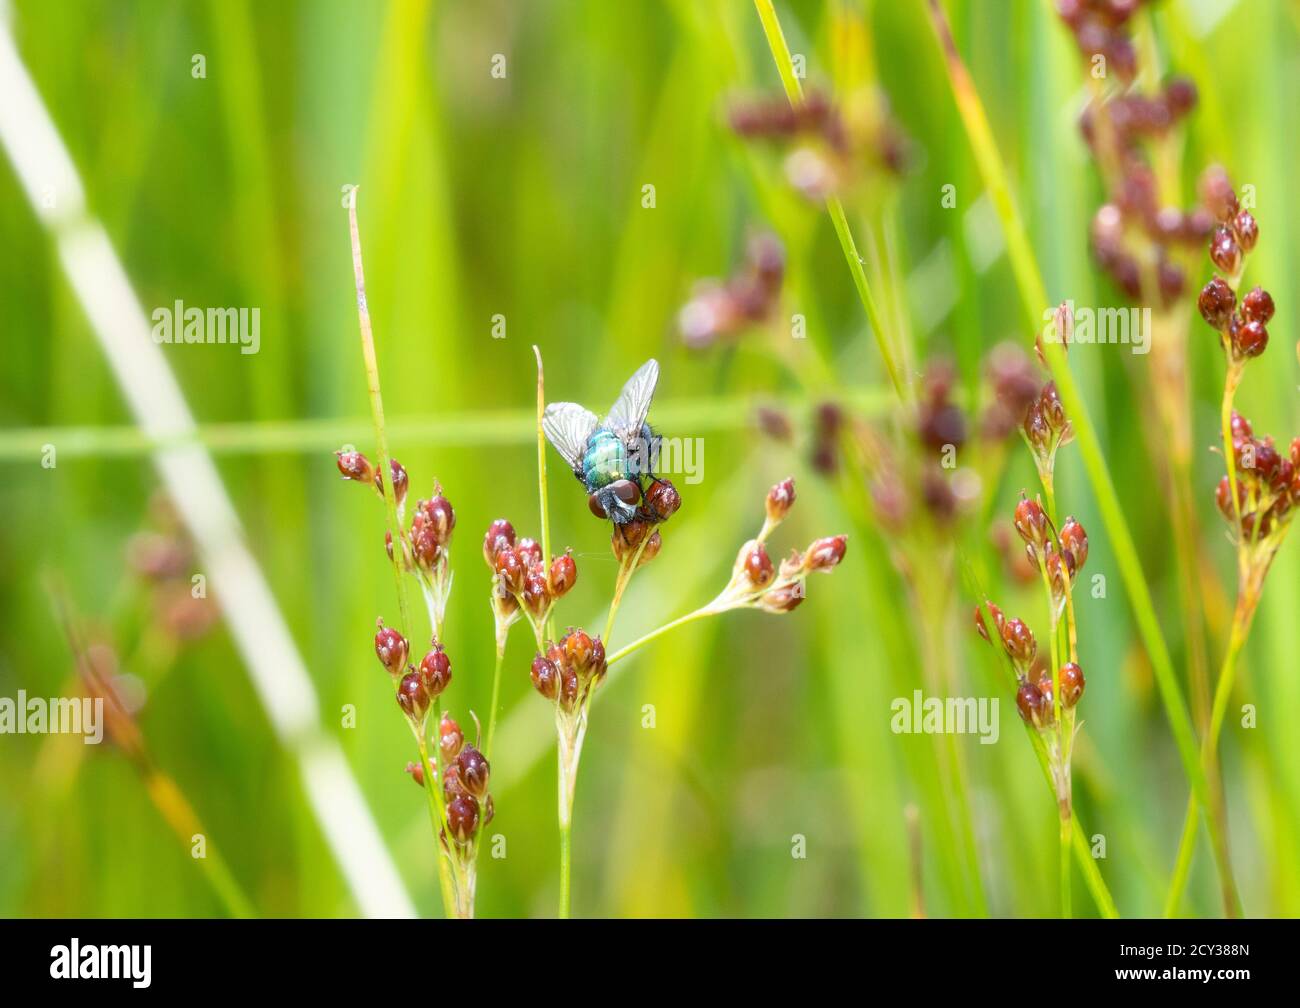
x: 640, y: 642
x: 541, y: 467
x: 794, y: 92
x: 570, y: 734
x: 496, y: 699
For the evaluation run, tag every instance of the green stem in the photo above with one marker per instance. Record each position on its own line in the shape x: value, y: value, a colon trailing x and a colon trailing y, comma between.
x: 496, y: 700
x: 794, y: 92
x: 640, y: 642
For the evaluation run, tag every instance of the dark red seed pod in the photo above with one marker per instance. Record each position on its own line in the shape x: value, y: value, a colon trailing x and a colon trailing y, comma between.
x: 400, y: 481
x: 1267, y: 459
x: 1241, y: 428
x: 1246, y: 229
x: 462, y: 818
x: 500, y: 535
x: 1071, y: 678
x: 450, y: 738
x: 1049, y: 401
x: 662, y: 500
x: 529, y: 552
x: 1225, y: 253
x: 424, y: 542
x: 391, y: 648
x: 782, y: 599
x: 412, y: 697
x: 1018, y: 640
x: 1257, y: 306
x: 474, y: 771
x: 779, y: 500
x: 537, y: 597
x: 759, y: 570
x: 998, y: 620
x: 1170, y: 279
x: 355, y: 466
x: 489, y: 810
x: 1216, y: 303
x: 577, y: 649
x: 1031, y: 522
x: 569, y: 686
x: 511, y: 570
x: 435, y: 671
x: 416, y: 771
x: 1075, y: 541
x: 1180, y: 96
x: 546, y: 677
x: 1036, y: 429
x: 1250, y: 339
x: 441, y: 516
x: 564, y: 574
x: 1047, y: 714
x: 1029, y: 701
x: 825, y: 554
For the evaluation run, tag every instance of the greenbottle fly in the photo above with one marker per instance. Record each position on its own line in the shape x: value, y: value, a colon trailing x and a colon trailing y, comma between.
x: 614, y: 458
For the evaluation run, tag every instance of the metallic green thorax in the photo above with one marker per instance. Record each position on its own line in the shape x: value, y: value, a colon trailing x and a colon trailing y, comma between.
x: 605, y: 460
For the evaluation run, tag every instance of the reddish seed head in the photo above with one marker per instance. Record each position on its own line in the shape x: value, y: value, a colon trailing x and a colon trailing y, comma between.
x: 782, y: 599
x: 546, y: 677
x: 1071, y: 677
x: 1180, y: 96
x: 825, y: 554
x: 462, y: 818
x: 577, y: 648
x: 1250, y: 339
x: 1241, y: 428
x: 435, y: 671
x: 1225, y: 253
x: 779, y: 500
x: 1074, y: 540
x: 1257, y: 306
x: 564, y: 574
x: 1216, y: 302
x: 1048, y: 712
x: 1246, y: 229
x: 417, y: 772
x: 1018, y: 640
x: 440, y: 515
x: 400, y: 481
x: 355, y: 466
x: 536, y: 595
x: 511, y: 570
x: 474, y: 771
x: 528, y: 551
x: 1031, y: 522
x: 759, y: 571
x: 1029, y: 701
x: 450, y: 738
x: 500, y: 535
x: 424, y: 542
x: 412, y: 697
x: 451, y: 788
x: 391, y: 649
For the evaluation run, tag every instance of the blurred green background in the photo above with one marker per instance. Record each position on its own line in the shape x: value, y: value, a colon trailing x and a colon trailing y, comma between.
x: 522, y: 197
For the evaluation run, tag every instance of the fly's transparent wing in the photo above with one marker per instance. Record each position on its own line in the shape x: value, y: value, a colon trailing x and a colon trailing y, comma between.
x: 568, y: 426
x: 628, y: 413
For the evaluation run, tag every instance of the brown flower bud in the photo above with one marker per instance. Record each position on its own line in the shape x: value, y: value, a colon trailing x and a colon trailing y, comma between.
x: 1250, y: 339
x: 1216, y: 303
x: 391, y: 649
x: 417, y: 772
x: 782, y: 599
x: 412, y: 697
x: 435, y: 671
x: 400, y: 481
x: 1225, y: 253
x: 529, y: 552
x: 441, y: 515
x: 1031, y: 704
x: 564, y: 574
x: 355, y: 466
x: 462, y: 818
x: 511, y: 570
x: 998, y: 620
x: 1074, y: 540
x: 474, y: 771
x: 1018, y: 640
x: 1031, y: 522
x: 779, y: 500
x: 758, y: 567
x: 1071, y: 677
x: 450, y: 738
x: 824, y: 554
x: 1246, y: 230
x: 1047, y: 714
x: 500, y: 535
x: 536, y: 595
x: 546, y: 677
x: 424, y: 541
x: 662, y: 501
x: 1257, y: 306
x: 1217, y: 194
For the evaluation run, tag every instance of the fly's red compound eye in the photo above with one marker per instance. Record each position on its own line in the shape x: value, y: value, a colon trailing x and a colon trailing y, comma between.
x: 626, y: 491
x: 594, y: 503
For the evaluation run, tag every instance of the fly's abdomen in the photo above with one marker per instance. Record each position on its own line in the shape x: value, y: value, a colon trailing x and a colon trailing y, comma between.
x: 605, y: 460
